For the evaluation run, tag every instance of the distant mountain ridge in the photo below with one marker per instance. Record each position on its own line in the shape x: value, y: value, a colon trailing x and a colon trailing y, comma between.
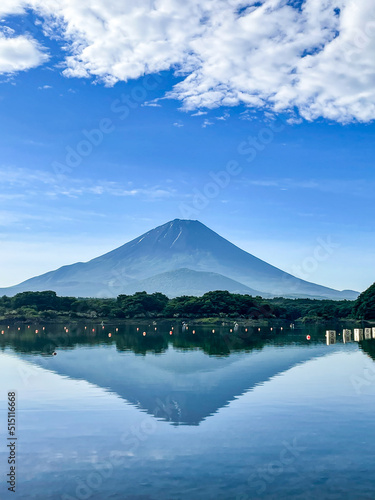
x: 179, y: 256
x: 187, y: 282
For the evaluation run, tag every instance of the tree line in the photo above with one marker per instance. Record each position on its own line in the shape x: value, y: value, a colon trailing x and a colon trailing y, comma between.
x: 48, y: 305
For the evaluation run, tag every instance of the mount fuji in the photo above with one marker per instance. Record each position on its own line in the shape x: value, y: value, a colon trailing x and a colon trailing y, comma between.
x: 181, y: 257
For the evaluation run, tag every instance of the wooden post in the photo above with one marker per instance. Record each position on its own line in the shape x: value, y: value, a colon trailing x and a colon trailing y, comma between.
x: 331, y: 337
x: 358, y: 334
x: 346, y: 336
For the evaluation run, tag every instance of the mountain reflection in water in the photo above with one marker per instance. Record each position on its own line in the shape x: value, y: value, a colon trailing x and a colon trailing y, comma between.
x: 194, y: 412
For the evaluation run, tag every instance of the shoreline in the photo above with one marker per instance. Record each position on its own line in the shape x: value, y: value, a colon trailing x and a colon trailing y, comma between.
x: 198, y: 321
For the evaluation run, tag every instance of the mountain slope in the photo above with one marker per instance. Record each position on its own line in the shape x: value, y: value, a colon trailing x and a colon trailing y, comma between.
x: 187, y: 282
x: 175, y: 245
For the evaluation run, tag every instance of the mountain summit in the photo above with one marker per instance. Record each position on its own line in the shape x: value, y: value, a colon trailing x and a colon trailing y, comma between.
x: 179, y: 257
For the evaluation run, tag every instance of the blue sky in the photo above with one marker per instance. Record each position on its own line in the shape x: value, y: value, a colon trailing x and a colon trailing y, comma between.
x: 303, y: 165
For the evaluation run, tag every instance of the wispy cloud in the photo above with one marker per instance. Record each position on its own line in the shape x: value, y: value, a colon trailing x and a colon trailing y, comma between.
x: 28, y: 183
x: 223, y: 117
x: 11, y: 197
x: 199, y: 113
x: 355, y: 187
x: 8, y: 218
x: 113, y: 189
x: 22, y: 177
x: 151, y: 104
x: 207, y: 123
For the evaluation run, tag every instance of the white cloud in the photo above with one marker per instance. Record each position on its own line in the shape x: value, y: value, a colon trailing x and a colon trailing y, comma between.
x: 11, y: 7
x: 19, y: 54
x: 294, y: 120
x: 317, y: 57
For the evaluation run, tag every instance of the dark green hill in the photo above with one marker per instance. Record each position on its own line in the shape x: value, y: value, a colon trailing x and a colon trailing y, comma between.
x: 365, y: 304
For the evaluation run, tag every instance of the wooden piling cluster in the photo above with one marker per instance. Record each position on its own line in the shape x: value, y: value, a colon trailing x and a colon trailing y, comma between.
x: 359, y: 335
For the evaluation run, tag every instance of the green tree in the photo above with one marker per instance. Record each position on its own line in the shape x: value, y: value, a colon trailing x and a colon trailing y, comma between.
x: 364, y: 306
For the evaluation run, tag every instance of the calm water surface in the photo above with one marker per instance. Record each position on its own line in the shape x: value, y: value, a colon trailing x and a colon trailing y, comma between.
x: 242, y: 415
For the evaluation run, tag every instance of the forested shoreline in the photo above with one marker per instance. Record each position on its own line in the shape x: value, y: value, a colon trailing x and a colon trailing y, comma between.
x: 220, y: 304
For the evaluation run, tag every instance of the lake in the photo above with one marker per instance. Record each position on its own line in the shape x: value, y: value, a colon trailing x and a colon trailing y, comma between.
x: 163, y: 411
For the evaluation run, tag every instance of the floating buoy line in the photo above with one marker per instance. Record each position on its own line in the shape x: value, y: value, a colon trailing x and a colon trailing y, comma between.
x: 224, y: 328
